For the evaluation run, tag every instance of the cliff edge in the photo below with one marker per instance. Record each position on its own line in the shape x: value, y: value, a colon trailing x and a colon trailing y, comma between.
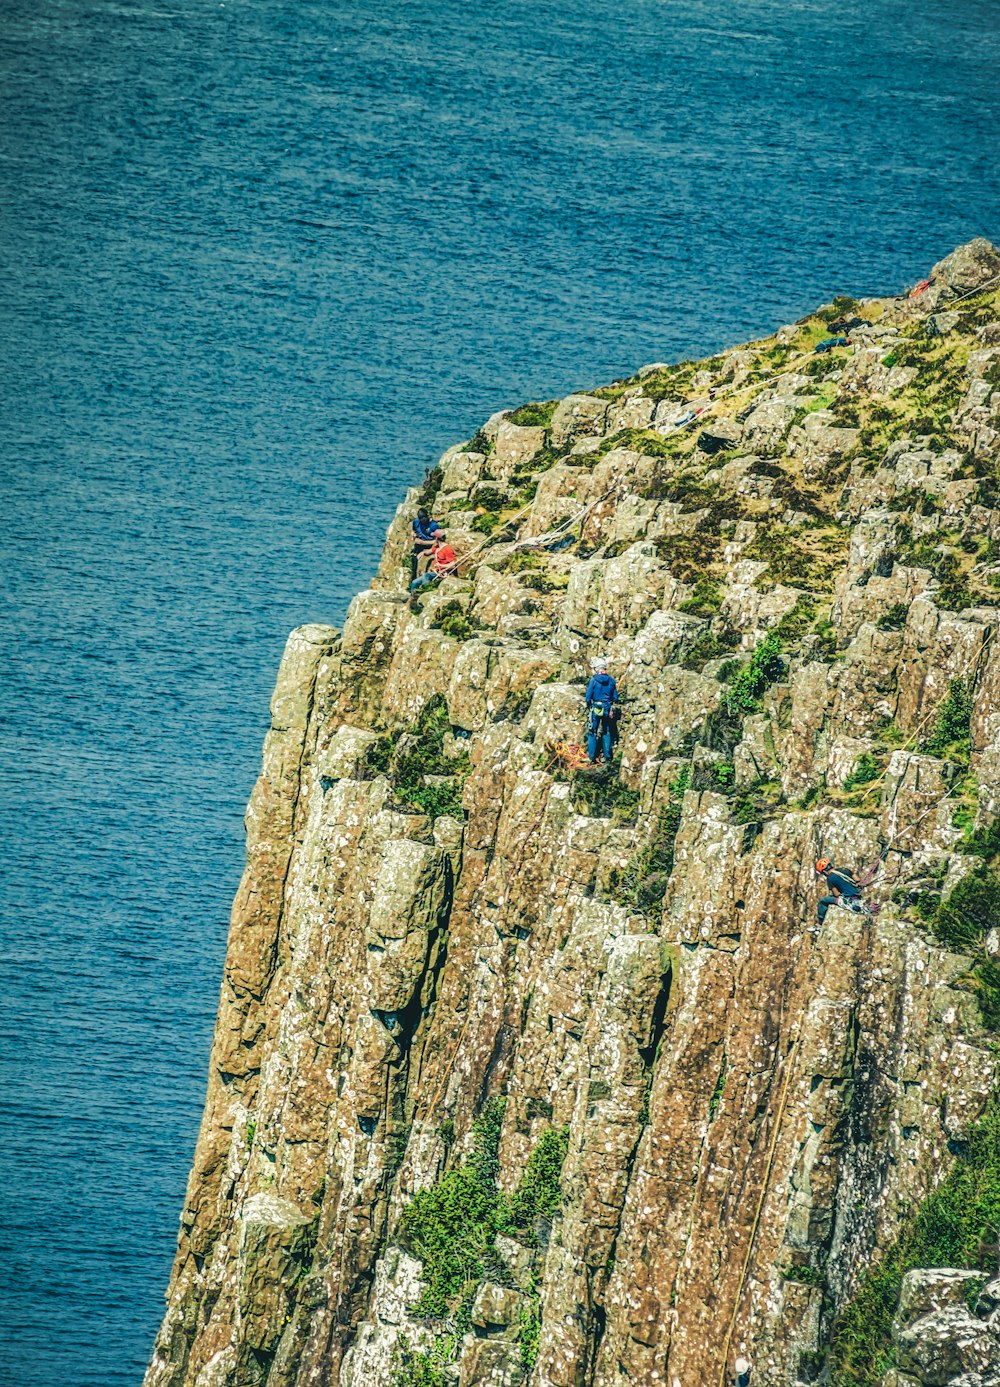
x: 528, y: 1073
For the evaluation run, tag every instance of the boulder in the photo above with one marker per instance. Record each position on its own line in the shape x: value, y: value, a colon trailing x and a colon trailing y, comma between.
x: 495, y: 1307
x: 461, y: 471
x: 578, y: 416
x: 969, y: 267
x: 947, y: 1348
x: 516, y: 445
x: 632, y: 411
x: 766, y: 425
x: 274, y: 1246
x: 406, y: 907
x: 720, y: 434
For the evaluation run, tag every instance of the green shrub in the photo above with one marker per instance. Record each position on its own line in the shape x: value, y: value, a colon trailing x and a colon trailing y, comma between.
x: 954, y: 597
x: 758, y: 801
x: 480, y: 443
x: 539, y: 1193
x: 709, y: 646
x: 950, y: 735
x: 440, y: 798
x: 801, y: 559
x: 452, y: 1226
x: 645, y: 441
x: 604, y: 796
x: 531, y: 1331
x: 535, y: 415
x: 544, y: 582
x: 430, y: 487
x: 453, y: 621
x: 841, y: 305
x: 969, y: 911
x: 490, y: 498
x: 895, y: 618
x: 527, y: 490
x: 521, y: 560
x: 378, y: 757
x: 963, y: 919
x: 956, y: 1226
x: 796, y: 623
x: 749, y: 680
x: 987, y: 976
x: 457, y: 626
x: 954, y: 593
x: 706, y: 598
x: 825, y: 647
x: 424, y: 756
x: 982, y: 842
x: 865, y: 770
x: 415, y: 1369
x: 723, y: 775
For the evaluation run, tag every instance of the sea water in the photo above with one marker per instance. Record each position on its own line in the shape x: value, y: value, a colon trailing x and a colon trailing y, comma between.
x: 262, y: 262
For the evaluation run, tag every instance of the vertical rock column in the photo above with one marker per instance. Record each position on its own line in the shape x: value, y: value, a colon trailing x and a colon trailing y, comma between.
x: 272, y: 819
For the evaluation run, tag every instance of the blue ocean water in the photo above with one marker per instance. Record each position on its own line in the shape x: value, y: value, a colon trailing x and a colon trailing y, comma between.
x: 260, y: 264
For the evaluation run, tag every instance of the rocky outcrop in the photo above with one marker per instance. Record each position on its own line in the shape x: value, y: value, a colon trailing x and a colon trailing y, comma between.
x: 947, y: 1331
x: 581, y: 1035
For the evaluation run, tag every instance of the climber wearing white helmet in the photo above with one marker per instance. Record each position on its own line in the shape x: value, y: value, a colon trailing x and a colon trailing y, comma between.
x: 602, y: 696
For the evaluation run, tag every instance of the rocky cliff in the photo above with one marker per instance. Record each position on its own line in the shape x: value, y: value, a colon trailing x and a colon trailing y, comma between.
x: 527, y: 1073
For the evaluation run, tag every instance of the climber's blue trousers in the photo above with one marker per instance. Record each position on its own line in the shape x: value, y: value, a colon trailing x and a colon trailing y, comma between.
x: 600, y: 729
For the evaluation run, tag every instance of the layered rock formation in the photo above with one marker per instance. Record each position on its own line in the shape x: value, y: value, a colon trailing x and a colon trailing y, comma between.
x: 660, y: 1118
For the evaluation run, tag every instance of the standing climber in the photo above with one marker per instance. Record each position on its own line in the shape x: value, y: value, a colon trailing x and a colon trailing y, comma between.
x: 602, y: 697
x: 426, y: 533
x: 741, y: 1372
x: 845, y: 890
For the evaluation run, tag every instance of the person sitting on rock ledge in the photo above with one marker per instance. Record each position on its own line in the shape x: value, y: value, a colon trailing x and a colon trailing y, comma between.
x: 426, y: 533
x: 601, y: 697
x: 444, y: 560
x: 845, y: 890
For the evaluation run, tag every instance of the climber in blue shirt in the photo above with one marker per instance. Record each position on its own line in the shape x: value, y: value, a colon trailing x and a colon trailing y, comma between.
x: 601, y: 697
x: 426, y: 533
x: 845, y: 889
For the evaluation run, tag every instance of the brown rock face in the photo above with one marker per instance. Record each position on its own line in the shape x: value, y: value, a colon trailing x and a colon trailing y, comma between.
x: 717, y: 1113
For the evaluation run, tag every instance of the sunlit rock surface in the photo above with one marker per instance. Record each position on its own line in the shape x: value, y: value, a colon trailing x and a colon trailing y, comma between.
x: 436, y: 913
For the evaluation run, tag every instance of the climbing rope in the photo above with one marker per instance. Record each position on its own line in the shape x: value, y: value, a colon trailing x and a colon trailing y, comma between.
x: 783, y: 1098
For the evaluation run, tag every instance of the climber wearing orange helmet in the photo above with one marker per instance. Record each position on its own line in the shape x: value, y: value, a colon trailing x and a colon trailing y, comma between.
x: 845, y: 889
